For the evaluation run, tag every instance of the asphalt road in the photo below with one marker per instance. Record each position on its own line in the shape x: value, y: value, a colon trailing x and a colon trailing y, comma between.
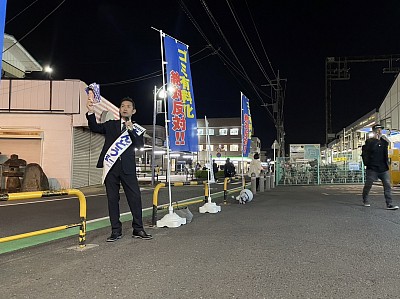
x: 291, y: 242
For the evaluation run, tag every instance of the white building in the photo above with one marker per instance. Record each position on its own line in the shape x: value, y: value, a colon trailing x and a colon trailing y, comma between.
x: 225, y: 141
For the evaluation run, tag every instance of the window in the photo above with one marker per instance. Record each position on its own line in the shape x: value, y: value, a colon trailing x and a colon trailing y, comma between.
x: 200, y: 147
x: 234, y: 131
x: 210, y: 131
x: 223, y: 147
x: 387, y: 122
x: 200, y: 132
x: 234, y: 147
x: 223, y: 131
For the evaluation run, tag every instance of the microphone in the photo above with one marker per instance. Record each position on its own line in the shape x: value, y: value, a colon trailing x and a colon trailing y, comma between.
x: 127, y: 119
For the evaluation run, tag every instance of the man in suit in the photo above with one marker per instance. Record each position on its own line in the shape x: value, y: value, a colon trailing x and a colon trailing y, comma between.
x: 123, y: 170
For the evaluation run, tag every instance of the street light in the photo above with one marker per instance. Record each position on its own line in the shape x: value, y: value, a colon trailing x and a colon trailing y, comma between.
x: 49, y: 70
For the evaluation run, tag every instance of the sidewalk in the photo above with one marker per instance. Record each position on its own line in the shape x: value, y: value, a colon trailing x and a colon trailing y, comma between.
x: 290, y: 242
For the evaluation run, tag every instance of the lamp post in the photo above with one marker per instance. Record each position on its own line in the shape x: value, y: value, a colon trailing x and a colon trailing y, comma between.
x: 154, y: 137
x: 162, y: 95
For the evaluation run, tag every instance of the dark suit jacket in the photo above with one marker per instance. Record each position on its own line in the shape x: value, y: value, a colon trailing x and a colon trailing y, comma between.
x: 112, y: 130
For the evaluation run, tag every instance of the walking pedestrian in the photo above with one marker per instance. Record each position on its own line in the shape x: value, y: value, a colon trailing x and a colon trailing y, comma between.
x: 375, y: 157
x: 255, y: 167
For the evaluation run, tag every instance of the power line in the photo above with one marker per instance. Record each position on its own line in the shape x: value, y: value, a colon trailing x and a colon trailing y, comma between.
x: 247, y: 40
x: 153, y: 74
x: 219, y: 30
x: 231, y: 66
x: 259, y: 38
x: 21, y: 12
x: 30, y: 31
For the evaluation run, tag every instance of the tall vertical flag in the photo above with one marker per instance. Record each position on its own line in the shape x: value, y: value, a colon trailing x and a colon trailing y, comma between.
x: 3, y: 5
x: 181, y: 106
x: 247, y: 127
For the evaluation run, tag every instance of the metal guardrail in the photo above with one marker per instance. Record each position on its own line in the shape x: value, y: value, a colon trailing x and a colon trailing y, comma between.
x: 175, y: 184
x: 40, y: 194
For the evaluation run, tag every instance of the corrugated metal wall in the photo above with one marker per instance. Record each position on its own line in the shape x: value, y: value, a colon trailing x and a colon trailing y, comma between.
x: 87, y: 147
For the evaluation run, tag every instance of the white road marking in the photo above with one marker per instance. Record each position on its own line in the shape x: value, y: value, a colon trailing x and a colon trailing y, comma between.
x: 42, y: 200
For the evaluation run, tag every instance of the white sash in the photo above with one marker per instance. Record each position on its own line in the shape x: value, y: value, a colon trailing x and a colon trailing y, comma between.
x: 114, y: 152
x: 139, y: 130
x: 117, y: 148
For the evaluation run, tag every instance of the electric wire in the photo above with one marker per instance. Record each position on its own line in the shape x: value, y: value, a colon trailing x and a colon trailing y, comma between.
x: 153, y: 74
x: 14, y: 17
x: 219, y: 30
x: 221, y: 33
x: 248, y: 42
x: 30, y: 31
x: 259, y: 38
x: 226, y: 61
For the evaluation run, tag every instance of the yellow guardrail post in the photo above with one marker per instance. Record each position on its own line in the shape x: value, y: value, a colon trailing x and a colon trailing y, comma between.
x: 226, y: 181
x: 40, y: 194
x: 206, y: 191
x: 174, y: 184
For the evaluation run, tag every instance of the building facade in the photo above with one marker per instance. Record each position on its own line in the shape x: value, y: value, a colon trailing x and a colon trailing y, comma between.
x: 225, y: 142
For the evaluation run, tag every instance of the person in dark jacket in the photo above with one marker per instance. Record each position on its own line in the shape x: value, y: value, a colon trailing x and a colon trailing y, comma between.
x: 375, y: 156
x: 215, y: 169
x: 123, y: 171
x: 229, y: 169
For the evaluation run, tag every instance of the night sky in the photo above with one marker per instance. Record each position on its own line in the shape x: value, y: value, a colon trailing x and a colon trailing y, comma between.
x: 111, y: 41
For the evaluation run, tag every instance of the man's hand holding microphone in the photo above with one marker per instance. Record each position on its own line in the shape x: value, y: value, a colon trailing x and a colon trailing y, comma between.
x: 128, y: 123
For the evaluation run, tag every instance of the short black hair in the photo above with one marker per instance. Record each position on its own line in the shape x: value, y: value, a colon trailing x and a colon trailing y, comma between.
x: 256, y: 156
x: 127, y: 99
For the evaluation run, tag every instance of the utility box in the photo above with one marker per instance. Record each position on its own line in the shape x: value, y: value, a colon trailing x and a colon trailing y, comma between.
x: 394, y: 167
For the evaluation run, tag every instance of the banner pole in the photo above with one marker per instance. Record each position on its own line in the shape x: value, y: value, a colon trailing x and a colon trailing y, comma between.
x: 209, y: 207
x: 3, y: 8
x: 170, y: 208
x: 209, y: 159
x: 242, y: 131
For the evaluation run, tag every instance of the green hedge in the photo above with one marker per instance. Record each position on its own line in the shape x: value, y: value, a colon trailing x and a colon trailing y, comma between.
x: 202, y: 174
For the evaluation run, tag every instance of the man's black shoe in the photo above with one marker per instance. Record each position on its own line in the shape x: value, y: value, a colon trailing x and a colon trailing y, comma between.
x: 141, y: 235
x: 391, y: 207
x: 114, y: 237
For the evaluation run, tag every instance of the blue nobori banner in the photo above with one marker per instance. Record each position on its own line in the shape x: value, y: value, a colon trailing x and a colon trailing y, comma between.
x: 3, y: 5
x: 181, y: 106
x: 247, y: 127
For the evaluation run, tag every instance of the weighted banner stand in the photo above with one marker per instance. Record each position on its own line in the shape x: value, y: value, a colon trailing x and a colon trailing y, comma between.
x: 209, y: 207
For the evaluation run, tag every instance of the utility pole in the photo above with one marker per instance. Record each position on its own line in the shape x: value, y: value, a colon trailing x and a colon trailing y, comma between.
x: 277, y: 111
